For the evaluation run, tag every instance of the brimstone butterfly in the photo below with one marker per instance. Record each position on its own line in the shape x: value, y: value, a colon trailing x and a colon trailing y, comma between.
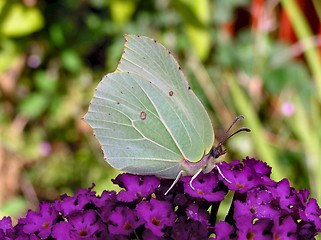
x: 148, y: 120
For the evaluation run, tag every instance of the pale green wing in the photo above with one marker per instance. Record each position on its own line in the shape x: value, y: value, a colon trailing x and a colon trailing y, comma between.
x: 148, y: 58
x: 133, y: 136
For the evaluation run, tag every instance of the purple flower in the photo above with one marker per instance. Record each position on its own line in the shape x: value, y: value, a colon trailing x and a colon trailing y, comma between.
x: 62, y: 230
x: 25, y: 237
x: 312, y: 213
x: 137, y: 187
x: 71, y: 205
x: 206, y: 187
x: 84, y: 225
x: 257, y: 205
x: 105, y: 204
x: 196, y: 213
x: 285, y: 195
x: 80, y: 226
x: 105, y: 198
x: 180, y: 199
x: 156, y: 215
x: 261, y: 168
x: 287, y: 109
x: 45, y: 149
x: 261, y: 209
x: 224, y: 231
x: 242, y: 177
x: 106, y: 211
x: 123, y: 221
x: 5, y: 223
x: 189, y: 229
x: 286, y: 230
x: 5, y: 227
x: 148, y: 234
x: 259, y: 229
x: 41, y: 222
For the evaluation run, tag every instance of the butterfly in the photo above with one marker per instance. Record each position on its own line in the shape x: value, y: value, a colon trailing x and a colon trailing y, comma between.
x: 147, y: 118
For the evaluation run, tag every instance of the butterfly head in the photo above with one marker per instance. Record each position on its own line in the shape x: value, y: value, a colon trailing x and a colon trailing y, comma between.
x: 218, y: 151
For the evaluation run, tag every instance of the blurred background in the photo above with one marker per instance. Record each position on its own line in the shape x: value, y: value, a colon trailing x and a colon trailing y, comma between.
x: 256, y: 58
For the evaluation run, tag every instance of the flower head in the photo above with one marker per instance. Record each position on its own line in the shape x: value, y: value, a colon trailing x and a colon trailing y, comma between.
x: 261, y: 209
x: 84, y: 226
x: 123, y: 221
x: 41, y: 222
x: 196, y: 213
x: 5, y: 227
x: 72, y: 204
x: 188, y: 229
x: 137, y: 187
x: 243, y: 177
x: 224, y: 231
x: 156, y: 215
x: 206, y: 186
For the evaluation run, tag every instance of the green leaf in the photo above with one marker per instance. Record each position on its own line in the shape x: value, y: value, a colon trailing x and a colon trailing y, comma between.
x: 196, y: 15
x: 8, y: 54
x: 45, y: 82
x: 200, y: 40
x: 71, y: 60
x: 34, y: 105
x: 19, y: 20
x: 122, y: 10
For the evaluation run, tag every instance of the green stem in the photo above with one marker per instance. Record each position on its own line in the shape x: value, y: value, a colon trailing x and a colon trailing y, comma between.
x: 311, y: 142
x: 263, y: 148
x: 304, y: 34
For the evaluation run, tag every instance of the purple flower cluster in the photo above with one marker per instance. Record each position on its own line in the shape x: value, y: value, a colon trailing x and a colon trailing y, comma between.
x: 261, y: 209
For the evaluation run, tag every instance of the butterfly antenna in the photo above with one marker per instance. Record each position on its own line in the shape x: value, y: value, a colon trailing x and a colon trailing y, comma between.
x: 218, y: 151
x: 224, y: 138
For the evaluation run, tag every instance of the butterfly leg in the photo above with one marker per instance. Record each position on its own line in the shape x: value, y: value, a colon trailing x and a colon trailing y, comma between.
x: 175, y: 181
x: 220, y: 172
x: 193, y: 178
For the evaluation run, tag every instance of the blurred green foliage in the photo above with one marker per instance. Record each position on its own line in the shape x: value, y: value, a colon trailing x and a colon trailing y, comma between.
x: 53, y: 54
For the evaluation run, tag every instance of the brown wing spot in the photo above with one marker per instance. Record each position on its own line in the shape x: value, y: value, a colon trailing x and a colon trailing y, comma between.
x: 171, y: 93
x: 143, y: 115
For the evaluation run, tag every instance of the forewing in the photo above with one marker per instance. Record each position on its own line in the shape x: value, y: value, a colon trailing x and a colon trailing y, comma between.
x: 148, y: 58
